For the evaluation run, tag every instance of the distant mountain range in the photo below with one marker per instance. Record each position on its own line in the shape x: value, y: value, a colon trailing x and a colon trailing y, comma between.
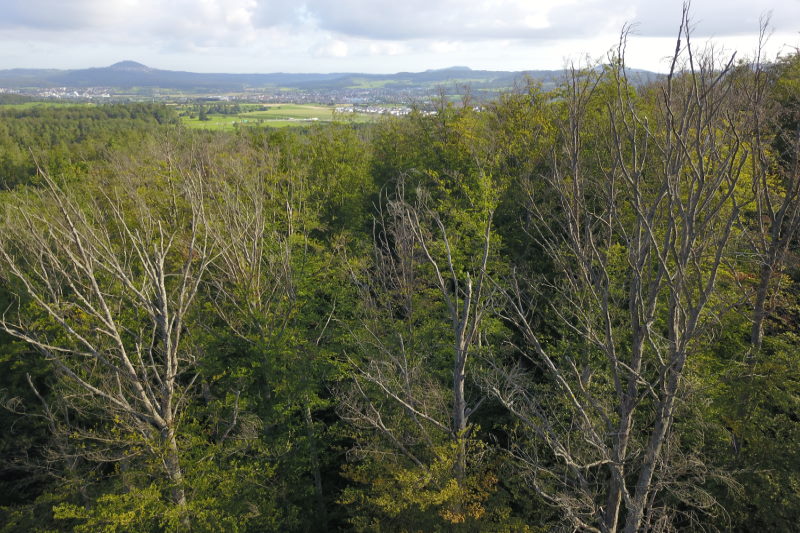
x: 130, y: 74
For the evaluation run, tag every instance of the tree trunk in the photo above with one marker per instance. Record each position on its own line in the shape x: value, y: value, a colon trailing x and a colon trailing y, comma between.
x: 617, y: 481
x: 173, y: 467
x: 759, y: 312
x: 460, y: 413
x: 655, y: 444
x: 322, y: 514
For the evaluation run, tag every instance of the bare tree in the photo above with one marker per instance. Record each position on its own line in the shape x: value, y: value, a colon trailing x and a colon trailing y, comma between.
x: 106, y: 286
x: 776, y: 183
x: 416, y: 255
x: 645, y: 227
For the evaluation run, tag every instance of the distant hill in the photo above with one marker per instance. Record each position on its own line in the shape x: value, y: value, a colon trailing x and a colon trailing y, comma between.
x: 130, y: 74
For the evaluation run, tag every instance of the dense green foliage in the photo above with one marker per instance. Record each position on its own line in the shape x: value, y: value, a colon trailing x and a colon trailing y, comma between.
x: 415, y: 325
x: 66, y: 139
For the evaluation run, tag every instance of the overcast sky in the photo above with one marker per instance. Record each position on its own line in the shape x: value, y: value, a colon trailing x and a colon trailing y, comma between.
x: 369, y: 35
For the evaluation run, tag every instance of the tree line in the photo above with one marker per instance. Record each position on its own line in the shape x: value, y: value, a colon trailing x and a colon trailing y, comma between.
x: 569, y: 310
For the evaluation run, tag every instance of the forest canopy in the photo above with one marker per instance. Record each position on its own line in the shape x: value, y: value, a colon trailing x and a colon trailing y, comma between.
x: 570, y: 310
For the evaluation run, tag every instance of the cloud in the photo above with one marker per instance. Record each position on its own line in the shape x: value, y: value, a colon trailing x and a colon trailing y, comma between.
x: 330, y: 49
x: 731, y: 17
x: 192, y: 22
x: 415, y: 19
x: 198, y: 23
x: 301, y: 34
x: 516, y: 19
x: 50, y: 15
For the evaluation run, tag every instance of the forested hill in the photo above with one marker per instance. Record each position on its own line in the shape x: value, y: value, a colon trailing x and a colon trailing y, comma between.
x: 573, y: 309
x: 128, y: 74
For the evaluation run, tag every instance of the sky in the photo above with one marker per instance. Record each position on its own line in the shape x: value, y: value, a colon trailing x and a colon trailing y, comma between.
x: 377, y: 36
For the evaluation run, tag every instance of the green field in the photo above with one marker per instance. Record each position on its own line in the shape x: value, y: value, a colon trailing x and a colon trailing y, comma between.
x: 275, y: 116
x: 364, y: 83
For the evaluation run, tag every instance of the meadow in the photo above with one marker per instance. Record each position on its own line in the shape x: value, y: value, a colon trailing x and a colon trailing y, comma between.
x: 276, y: 116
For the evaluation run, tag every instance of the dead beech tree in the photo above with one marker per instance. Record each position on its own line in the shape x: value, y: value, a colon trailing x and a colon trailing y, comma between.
x: 424, y: 306
x: 105, y: 286
x: 645, y: 227
x: 776, y: 184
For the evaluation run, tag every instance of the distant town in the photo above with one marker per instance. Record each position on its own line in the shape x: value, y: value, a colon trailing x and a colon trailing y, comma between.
x: 132, y: 81
x: 368, y: 100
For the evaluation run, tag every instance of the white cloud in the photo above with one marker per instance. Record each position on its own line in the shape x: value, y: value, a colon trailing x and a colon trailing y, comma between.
x: 374, y: 35
x: 417, y: 19
x: 444, y: 47
x: 50, y: 15
x: 332, y: 48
